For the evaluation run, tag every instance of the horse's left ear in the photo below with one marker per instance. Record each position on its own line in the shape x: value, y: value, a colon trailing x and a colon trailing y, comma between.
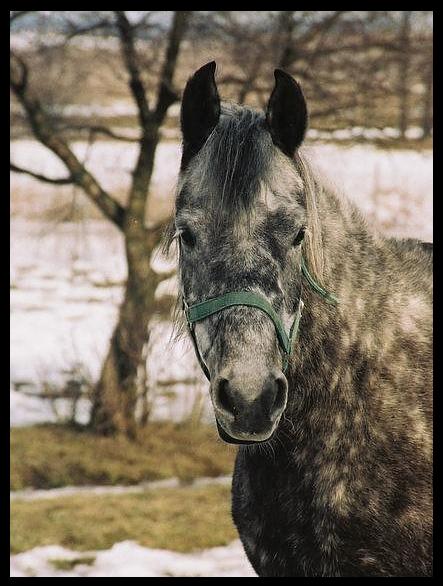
x: 287, y: 114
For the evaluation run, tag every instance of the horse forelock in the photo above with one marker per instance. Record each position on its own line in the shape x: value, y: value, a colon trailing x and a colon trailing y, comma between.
x: 233, y: 161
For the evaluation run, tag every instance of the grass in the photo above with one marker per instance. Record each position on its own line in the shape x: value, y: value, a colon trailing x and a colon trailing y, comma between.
x: 182, y: 519
x: 51, y: 456
x: 69, y: 564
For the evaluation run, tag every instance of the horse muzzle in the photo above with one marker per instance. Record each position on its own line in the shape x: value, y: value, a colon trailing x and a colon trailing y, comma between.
x: 249, y: 417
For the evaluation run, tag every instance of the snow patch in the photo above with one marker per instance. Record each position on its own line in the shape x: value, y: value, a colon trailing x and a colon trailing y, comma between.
x: 130, y: 560
x: 30, y: 494
x: 25, y: 410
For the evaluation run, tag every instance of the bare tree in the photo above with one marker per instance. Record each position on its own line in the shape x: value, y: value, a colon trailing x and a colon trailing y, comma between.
x: 357, y: 68
x: 116, y: 391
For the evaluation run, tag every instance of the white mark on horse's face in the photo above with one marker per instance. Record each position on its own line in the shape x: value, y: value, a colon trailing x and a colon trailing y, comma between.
x: 268, y: 198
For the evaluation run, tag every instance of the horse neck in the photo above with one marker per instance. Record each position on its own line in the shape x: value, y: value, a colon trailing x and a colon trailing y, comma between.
x: 330, y: 334
x: 356, y: 364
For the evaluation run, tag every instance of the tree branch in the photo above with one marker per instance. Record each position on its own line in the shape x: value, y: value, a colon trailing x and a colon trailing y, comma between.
x: 164, y: 275
x: 150, y: 121
x: 322, y: 26
x: 60, y: 181
x: 166, y: 94
x: 136, y: 85
x: 43, y: 130
x: 97, y: 129
x: 74, y: 30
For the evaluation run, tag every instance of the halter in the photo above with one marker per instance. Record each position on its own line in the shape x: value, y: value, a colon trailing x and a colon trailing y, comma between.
x: 204, y: 309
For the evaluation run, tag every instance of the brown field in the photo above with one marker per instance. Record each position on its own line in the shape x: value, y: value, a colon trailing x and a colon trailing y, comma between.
x: 50, y: 456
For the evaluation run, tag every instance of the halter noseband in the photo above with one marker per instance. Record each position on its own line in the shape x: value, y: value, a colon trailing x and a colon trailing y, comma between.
x: 204, y: 309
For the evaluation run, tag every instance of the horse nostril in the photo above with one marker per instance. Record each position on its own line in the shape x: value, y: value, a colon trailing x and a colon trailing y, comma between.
x: 223, y: 396
x: 281, y: 393
x: 251, y: 406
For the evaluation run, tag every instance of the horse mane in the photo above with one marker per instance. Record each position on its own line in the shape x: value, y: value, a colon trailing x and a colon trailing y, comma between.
x: 312, y: 244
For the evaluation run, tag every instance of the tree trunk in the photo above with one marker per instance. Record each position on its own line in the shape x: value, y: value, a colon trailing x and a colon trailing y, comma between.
x: 116, y: 393
x: 427, y: 103
x: 403, y: 90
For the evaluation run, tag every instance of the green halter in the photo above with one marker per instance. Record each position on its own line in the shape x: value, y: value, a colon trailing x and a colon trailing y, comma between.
x: 204, y: 309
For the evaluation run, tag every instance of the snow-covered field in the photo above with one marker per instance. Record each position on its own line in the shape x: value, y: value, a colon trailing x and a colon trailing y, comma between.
x: 394, y: 188
x: 128, y: 559
x: 67, y: 278
x: 111, y: 162
x: 66, y: 286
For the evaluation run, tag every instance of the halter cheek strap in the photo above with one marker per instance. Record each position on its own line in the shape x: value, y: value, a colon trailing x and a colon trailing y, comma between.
x: 328, y: 297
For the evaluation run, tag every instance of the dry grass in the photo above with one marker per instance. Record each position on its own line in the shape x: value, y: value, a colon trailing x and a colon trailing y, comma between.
x: 183, y: 520
x: 50, y: 456
x: 69, y: 564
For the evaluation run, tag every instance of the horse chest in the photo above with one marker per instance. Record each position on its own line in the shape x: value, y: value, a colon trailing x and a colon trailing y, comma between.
x: 286, y: 529
x: 296, y: 522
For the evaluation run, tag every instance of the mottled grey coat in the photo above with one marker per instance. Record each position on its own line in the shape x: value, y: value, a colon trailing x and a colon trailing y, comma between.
x: 333, y: 473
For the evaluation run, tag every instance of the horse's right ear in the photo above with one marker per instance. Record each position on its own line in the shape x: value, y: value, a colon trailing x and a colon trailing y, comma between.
x: 287, y: 114
x: 200, y: 110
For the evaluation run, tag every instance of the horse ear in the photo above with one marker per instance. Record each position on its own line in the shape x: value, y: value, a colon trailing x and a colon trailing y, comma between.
x: 287, y: 114
x: 200, y: 110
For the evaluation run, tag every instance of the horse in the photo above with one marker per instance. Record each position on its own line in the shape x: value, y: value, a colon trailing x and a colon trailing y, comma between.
x: 315, y: 333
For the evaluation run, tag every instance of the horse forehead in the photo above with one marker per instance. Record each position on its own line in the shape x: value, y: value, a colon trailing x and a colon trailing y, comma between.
x: 274, y: 197
x: 197, y: 204
x: 213, y: 176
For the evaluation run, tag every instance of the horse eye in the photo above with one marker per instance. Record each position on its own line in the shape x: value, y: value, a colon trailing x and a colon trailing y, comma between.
x: 300, y: 235
x: 187, y: 237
